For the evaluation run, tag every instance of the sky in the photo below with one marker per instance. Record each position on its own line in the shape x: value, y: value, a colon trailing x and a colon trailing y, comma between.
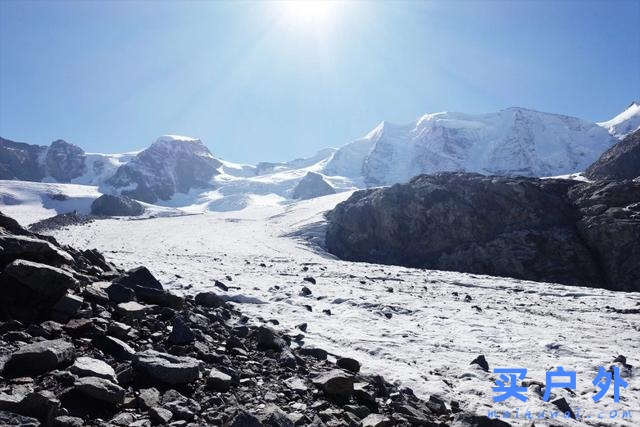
x: 272, y: 81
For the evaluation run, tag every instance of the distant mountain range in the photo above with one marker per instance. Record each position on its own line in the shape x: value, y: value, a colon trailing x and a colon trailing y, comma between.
x: 514, y: 141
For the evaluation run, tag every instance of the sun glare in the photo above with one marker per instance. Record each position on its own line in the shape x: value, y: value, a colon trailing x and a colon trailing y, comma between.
x: 310, y: 14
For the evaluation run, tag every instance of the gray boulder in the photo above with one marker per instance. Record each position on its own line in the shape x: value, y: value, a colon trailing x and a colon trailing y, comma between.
x: 109, y: 205
x: 90, y: 367
x: 622, y: 161
x: 100, y: 389
x: 39, y: 357
x: 41, y: 278
x: 167, y: 368
x: 312, y: 185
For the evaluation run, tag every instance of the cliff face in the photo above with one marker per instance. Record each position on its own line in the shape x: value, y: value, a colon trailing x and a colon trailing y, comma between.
x: 622, y: 161
x: 543, y: 230
x: 21, y: 161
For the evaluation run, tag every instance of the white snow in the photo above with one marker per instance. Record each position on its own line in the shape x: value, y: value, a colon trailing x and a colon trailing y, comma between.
x: 432, y: 335
x: 624, y: 123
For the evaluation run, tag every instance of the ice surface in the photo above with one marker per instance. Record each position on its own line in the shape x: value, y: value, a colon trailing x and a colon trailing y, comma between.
x: 431, y: 336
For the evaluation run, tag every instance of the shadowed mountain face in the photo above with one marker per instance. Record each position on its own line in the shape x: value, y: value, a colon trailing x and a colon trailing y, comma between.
x: 543, y: 230
x: 21, y: 161
x: 170, y: 165
x: 622, y: 161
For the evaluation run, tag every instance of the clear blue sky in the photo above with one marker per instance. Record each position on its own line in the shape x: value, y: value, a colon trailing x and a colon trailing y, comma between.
x: 271, y: 81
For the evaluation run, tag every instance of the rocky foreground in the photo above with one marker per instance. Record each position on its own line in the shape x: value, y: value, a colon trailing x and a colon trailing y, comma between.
x: 83, y: 343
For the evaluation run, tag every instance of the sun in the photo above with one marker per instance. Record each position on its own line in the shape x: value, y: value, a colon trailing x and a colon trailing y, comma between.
x: 310, y: 14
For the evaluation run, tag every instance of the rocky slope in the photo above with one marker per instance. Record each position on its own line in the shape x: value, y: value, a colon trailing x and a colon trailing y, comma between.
x: 312, y: 185
x: 21, y: 161
x: 515, y: 141
x: 172, y: 164
x: 622, y: 161
x: 544, y: 230
x: 83, y: 343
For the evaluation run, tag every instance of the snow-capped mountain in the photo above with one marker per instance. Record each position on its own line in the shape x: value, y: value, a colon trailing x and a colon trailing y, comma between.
x: 180, y: 171
x: 624, y: 123
x: 515, y: 141
x: 172, y: 164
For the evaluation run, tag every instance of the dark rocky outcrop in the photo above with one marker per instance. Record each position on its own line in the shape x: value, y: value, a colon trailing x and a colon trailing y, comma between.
x: 110, y: 205
x: 200, y: 362
x: 544, y: 230
x: 21, y: 161
x: 312, y: 185
x: 622, y: 161
x: 65, y: 161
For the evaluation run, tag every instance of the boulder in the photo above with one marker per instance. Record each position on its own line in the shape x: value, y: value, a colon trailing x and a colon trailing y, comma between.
x: 218, y: 381
x: 109, y: 205
x: 133, y: 309
x: 377, y: 420
x: 167, y: 368
x: 335, y: 383
x: 115, y: 347
x: 10, y: 419
x: 209, y: 299
x: 100, y: 389
x: 42, y: 279
x: 348, y: 364
x: 90, y: 367
x: 139, y: 276
x: 312, y: 185
x: 39, y: 357
x: 180, y: 334
x: 268, y: 339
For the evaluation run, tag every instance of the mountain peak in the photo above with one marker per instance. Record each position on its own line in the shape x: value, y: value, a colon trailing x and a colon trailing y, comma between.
x: 624, y: 123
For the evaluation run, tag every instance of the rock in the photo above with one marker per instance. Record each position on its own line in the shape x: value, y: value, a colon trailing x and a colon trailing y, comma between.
x: 159, y: 415
x: 218, y: 381
x: 100, y: 389
x: 564, y: 407
x: 139, y: 276
x: 108, y: 205
x: 90, y: 367
x: 274, y: 416
x: 167, y: 368
x: 68, y: 305
x: 548, y: 230
x: 209, y: 299
x: 305, y: 292
x: 269, y: 340
x: 44, y: 280
x: 348, y: 364
x: 39, y: 357
x: 316, y: 353
x: 115, y: 347
x: 482, y: 362
x: 133, y: 309
x: 84, y: 327
x: 67, y: 421
x: 335, y: 384
x: 11, y: 419
x: 296, y: 384
x: 302, y: 327
x: 622, y: 161
x: 148, y: 398
x: 244, y: 419
x: 180, y: 334
x: 119, y: 294
x: 312, y: 185
x: 310, y: 280
x: 158, y: 297
x: 471, y: 420
x: 376, y: 420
